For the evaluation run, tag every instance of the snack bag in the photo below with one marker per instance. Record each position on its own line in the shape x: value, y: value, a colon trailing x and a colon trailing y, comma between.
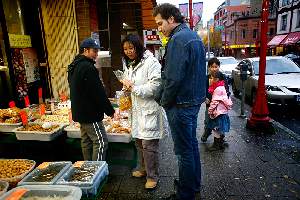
x: 125, y: 100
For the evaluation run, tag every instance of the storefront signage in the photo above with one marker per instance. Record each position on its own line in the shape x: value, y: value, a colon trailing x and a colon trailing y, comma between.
x: 19, y: 41
x: 241, y: 46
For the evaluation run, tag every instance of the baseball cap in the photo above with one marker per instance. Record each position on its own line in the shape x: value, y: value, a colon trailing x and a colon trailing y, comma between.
x: 89, y: 43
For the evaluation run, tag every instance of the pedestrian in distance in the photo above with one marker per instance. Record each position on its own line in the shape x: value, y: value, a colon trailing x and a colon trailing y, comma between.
x: 89, y: 101
x: 213, y: 71
x: 181, y: 94
x: 218, y: 109
x: 142, y: 75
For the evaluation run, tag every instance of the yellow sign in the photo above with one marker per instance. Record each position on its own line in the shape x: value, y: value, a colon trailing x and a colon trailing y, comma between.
x: 164, y: 39
x: 241, y: 46
x: 19, y: 41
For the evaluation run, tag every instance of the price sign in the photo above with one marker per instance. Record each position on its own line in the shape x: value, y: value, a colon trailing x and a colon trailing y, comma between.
x: 12, y: 104
x: 40, y: 91
x: 42, y: 109
x: 16, y: 195
x: 24, y: 117
x: 26, y: 100
x: 44, y: 165
x: 78, y: 164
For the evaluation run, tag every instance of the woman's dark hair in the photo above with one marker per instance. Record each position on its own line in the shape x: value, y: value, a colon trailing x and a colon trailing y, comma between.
x: 212, y: 61
x: 167, y: 10
x: 135, y: 40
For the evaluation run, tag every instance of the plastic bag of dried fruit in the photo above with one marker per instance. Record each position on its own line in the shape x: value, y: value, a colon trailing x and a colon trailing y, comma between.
x: 124, y: 100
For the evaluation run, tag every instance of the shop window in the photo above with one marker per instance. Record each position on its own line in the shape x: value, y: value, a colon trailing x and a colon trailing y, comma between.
x: 285, y: 2
x: 254, y: 33
x: 271, y: 31
x: 283, y: 22
x: 243, y: 33
x: 298, y: 19
x: 14, y: 16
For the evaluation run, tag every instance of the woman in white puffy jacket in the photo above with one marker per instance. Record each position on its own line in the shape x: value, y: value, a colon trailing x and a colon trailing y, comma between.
x: 142, y: 73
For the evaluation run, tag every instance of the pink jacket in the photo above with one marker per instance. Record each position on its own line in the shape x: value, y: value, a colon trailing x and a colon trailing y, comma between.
x: 220, y: 103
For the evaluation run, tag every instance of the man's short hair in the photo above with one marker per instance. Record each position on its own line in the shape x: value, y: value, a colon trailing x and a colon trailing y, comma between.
x: 167, y: 10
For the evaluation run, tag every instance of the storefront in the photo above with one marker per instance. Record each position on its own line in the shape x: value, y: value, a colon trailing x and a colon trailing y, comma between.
x: 21, y: 53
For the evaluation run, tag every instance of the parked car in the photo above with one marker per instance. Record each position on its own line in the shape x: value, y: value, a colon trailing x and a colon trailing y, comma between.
x: 211, y: 55
x: 294, y: 58
x: 282, y: 80
x: 227, y: 64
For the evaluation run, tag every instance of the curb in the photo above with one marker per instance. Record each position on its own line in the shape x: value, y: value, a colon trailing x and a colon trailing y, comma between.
x: 290, y: 132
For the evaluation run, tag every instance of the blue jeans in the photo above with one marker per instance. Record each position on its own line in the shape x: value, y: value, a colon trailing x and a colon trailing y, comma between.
x: 183, y: 124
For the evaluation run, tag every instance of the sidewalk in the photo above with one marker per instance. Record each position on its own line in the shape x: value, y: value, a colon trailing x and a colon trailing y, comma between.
x: 252, y: 167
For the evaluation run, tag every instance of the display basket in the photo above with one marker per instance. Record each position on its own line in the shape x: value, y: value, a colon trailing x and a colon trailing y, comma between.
x: 13, y: 181
x: 46, y: 173
x: 8, y: 127
x: 87, y: 175
x: 38, y: 135
x: 43, y: 191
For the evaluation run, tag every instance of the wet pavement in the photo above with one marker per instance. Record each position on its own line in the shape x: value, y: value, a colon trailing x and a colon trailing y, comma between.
x: 254, y: 166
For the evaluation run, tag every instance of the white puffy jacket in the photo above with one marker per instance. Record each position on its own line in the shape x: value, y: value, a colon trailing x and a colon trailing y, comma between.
x: 148, y: 119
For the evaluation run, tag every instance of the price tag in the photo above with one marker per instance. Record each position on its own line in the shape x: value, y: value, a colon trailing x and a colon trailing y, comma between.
x: 24, y: 117
x: 78, y: 164
x: 26, y: 100
x: 44, y: 165
x: 42, y: 109
x: 40, y: 91
x: 12, y: 104
x: 63, y: 97
x: 16, y: 195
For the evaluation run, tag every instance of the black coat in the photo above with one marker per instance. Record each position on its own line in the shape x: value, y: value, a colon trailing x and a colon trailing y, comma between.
x: 88, y: 99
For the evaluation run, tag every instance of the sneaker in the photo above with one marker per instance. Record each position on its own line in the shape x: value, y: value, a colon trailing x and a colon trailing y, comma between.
x: 139, y: 174
x: 150, y: 184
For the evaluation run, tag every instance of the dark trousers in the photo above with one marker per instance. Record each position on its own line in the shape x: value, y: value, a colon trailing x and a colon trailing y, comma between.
x: 183, y: 124
x: 94, y: 141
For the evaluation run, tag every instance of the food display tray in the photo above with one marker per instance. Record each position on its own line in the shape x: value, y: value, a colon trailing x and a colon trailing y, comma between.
x: 13, y: 181
x: 8, y: 127
x: 38, y: 135
x: 4, y: 185
x: 73, y: 132
x: 29, y: 179
x: 44, y: 191
x: 88, y: 187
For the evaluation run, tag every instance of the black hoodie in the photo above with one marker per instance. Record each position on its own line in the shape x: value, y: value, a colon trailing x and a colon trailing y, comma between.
x: 88, y: 99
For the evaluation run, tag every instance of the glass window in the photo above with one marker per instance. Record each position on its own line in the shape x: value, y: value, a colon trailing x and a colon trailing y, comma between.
x: 298, y: 19
x: 285, y: 2
x: 227, y: 61
x: 243, y: 33
x: 254, y: 33
x: 14, y: 16
x: 283, y: 22
x: 277, y: 66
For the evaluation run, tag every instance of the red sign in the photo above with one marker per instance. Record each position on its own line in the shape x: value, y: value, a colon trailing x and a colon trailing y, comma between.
x: 26, y: 100
x: 42, y: 109
x: 292, y: 38
x: 12, y: 104
x: 40, y: 91
x: 24, y: 117
x: 152, y: 37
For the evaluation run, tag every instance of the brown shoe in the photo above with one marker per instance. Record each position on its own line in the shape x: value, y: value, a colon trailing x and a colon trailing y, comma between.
x: 139, y: 174
x: 150, y: 184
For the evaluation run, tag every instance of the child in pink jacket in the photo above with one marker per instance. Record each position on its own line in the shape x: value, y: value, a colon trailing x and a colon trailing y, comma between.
x: 218, y: 112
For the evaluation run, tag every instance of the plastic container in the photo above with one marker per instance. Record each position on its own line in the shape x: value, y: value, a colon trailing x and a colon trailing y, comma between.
x: 3, y: 187
x: 40, y: 191
x: 46, y: 173
x: 38, y: 135
x: 118, y: 137
x: 13, y: 181
x: 8, y: 127
x: 88, y: 183
x: 73, y: 132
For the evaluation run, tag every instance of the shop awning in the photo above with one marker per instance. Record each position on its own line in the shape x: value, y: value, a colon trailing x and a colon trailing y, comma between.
x: 292, y: 38
x: 276, y: 40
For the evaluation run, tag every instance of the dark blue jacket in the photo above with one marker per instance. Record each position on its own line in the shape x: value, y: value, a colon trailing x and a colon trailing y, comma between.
x: 183, y: 70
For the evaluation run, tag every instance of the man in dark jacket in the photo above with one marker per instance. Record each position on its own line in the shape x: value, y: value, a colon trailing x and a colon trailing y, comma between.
x: 89, y: 101
x: 183, y: 91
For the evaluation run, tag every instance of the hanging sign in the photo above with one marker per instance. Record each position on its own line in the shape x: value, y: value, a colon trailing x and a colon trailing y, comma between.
x: 19, y: 41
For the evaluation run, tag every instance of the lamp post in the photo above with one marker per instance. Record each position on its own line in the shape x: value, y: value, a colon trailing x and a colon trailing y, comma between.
x: 259, y: 119
x: 191, y: 14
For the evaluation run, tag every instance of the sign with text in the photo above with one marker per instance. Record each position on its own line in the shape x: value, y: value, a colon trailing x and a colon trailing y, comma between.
x: 19, y: 41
